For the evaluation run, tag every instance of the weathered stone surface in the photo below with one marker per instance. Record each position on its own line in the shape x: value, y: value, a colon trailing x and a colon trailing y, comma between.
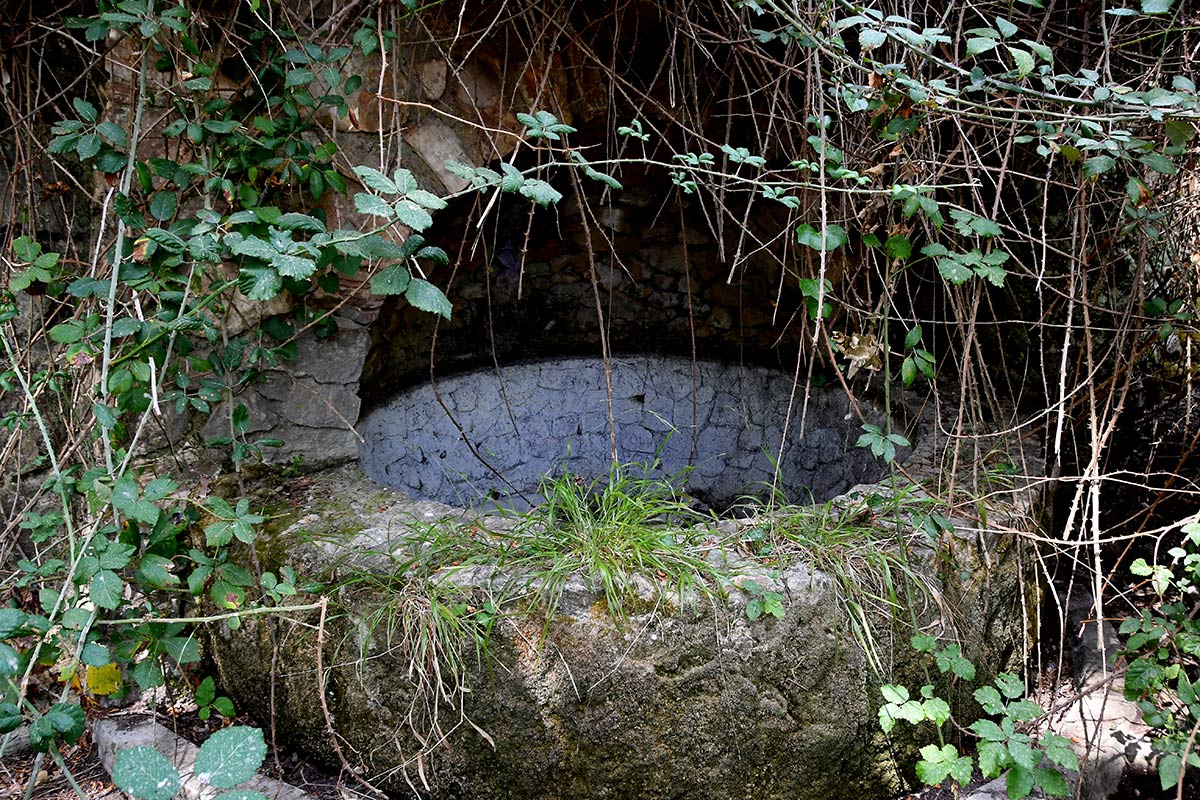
x: 721, y: 424
x: 691, y: 700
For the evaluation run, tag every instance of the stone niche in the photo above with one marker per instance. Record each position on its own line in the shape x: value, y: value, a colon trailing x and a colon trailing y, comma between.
x: 488, y: 437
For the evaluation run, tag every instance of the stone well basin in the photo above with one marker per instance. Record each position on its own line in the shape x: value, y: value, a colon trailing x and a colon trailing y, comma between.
x: 683, y: 697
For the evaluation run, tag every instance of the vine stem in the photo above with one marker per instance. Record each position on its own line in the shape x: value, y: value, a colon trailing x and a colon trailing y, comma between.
x: 119, y: 246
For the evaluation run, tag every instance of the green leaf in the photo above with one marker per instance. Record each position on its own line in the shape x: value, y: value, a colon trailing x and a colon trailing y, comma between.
x: 1159, y: 163
x: 979, y: 44
x: 898, y: 247
x: 426, y: 199
x: 298, y: 77
x: 952, y: 270
x: 894, y: 694
x: 988, y: 731
x: 155, y: 571
x: 159, y: 488
x: 1058, y: 749
x: 937, y: 710
x: 258, y: 282
x: 10, y: 718
x: 1053, y: 782
x: 372, y: 205
x: 163, y: 205
x: 106, y: 589
x: 10, y: 660
x: 68, y: 720
x: 989, y: 698
x: 1006, y: 28
x: 230, y: 756
x: 1024, y: 755
x: 95, y: 655
x: 1157, y: 6
x: 1169, y: 767
x: 540, y: 192
x: 1010, y: 685
x: 427, y: 297
x: 835, y: 236
x: 1023, y: 60
x: 86, y: 111
x: 1097, y: 165
x: 12, y: 621
x: 412, y: 215
x: 1179, y: 132
x: 145, y: 773
x: 870, y: 38
x: 1019, y: 782
x: 993, y: 758
x: 242, y: 794
x: 374, y: 179
x: 393, y: 279
x: 184, y: 649
x: 938, y: 763
x: 88, y: 146
x: 293, y: 221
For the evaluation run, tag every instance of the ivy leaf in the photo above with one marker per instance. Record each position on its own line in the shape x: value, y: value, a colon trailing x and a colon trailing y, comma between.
x: 230, y: 756
x: 145, y: 773
x: 427, y: 297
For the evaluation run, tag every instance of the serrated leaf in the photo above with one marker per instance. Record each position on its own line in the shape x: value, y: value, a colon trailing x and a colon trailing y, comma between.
x: 372, y: 205
x: 230, y: 756
x: 894, y: 694
x: 259, y: 282
x: 145, y: 773
x: 937, y: 710
x: 12, y: 620
x: 1159, y: 163
x: 1010, y: 685
x: 989, y: 698
x: 1023, y: 60
x: 184, y: 649
x: 1006, y: 28
x: 1019, y: 783
x: 106, y: 589
x: 898, y: 247
x: 163, y: 205
x: 424, y: 295
x: 993, y: 758
x: 870, y: 38
x: 374, y: 179
x: 393, y: 279
x: 1058, y: 749
x: 95, y: 655
x: 1097, y: 165
x: 979, y: 44
x: 835, y: 236
x: 10, y: 660
x: 434, y: 254
x: 10, y: 718
x: 86, y: 111
x: 68, y: 720
x: 105, y: 680
x: 953, y: 270
x: 155, y: 571
x: 412, y: 215
x: 426, y: 199
x: 540, y: 192
x: 293, y: 221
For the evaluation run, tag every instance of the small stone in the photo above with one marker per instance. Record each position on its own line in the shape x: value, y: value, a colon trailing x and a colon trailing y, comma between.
x: 433, y: 78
